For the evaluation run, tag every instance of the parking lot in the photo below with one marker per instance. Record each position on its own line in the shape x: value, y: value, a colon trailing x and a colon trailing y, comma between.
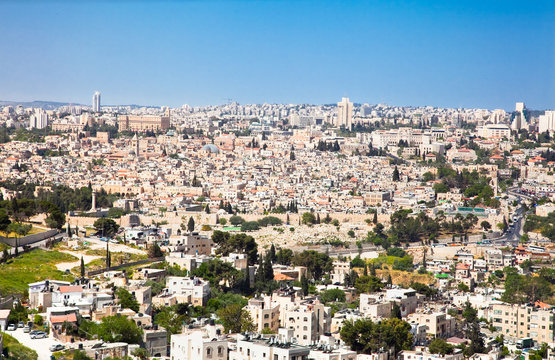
x: 41, y: 346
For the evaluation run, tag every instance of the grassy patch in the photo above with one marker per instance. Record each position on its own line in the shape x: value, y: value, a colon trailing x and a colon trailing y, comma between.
x: 16, y: 350
x: 33, y: 266
x: 118, y: 258
x: 34, y: 230
x: 405, y: 278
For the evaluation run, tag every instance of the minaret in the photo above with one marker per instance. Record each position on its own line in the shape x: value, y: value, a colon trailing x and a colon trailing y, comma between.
x: 93, y: 205
x: 135, y: 142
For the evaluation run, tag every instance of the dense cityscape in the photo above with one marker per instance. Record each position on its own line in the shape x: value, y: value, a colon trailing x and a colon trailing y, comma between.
x: 340, y: 231
x: 277, y: 180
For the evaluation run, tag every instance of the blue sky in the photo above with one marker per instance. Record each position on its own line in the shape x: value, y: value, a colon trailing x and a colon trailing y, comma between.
x: 460, y: 53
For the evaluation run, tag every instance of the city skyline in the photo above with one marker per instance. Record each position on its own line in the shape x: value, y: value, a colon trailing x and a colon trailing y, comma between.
x: 404, y: 53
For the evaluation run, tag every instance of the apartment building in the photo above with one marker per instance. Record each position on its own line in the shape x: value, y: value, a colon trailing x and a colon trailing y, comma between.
x: 190, y: 244
x: 143, y: 123
x: 340, y: 269
x: 423, y: 354
x: 267, y: 349
x: 308, y: 322
x: 264, y: 313
x: 438, y: 324
x: 197, y: 346
x: 520, y: 321
x: 191, y: 290
x: 374, y: 307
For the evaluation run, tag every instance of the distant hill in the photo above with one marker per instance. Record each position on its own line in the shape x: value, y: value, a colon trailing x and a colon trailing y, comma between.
x: 52, y: 105
x: 46, y: 105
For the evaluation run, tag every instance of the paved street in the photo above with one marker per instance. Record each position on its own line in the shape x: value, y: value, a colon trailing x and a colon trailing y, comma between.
x: 41, y: 346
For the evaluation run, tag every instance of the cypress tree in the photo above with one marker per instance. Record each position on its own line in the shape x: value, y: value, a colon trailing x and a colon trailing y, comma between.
x: 82, y: 268
x: 396, y: 176
x: 268, y: 269
x: 304, y: 285
x: 191, y: 224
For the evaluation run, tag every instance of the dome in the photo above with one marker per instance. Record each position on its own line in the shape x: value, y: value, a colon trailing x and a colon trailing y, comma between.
x: 211, y: 148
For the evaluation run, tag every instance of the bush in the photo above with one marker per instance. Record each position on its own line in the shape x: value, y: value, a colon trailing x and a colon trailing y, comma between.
x: 269, y: 220
x: 249, y: 226
x: 236, y: 220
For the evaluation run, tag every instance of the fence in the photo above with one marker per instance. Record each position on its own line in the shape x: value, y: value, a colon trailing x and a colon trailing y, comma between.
x: 29, y: 239
x: 117, y: 267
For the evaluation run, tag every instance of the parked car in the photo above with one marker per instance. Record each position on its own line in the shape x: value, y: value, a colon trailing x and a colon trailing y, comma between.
x: 57, y: 347
x: 39, y: 335
x: 33, y: 332
x: 11, y: 327
x: 20, y: 324
x: 26, y: 329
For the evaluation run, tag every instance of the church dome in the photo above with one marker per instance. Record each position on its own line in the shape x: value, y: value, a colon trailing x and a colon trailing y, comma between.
x: 211, y: 148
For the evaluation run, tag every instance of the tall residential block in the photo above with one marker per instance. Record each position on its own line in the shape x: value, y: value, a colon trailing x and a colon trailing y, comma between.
x: 345, y: 113
x: 96, y: 102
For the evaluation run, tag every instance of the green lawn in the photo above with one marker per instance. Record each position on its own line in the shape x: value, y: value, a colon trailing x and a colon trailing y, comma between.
x: 33, y: 266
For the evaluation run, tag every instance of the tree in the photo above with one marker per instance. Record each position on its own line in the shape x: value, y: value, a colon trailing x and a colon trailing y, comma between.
x: 396, y: 176
x: 367, y: 337
x: 332, y: 295
x: 235, y: 319
x: 220, y: 274
x: 395, y: 311
x: 472, y: 330
x: 357, y: 262
x: 440, y: 346
x: 171, y: 318
x: 304, y: 285
x: 249, y: 226
x: 284, y: 256
x: 272, y: 251
x: 154, y: 251
x: 308, y: 218
x: 316, y: 263
x: 127, y: 300
x: 119, y: 329
x: 375, y: 218
x: 241, y: 243
x: 4, y: 220
x: 140, y: 353
x: 191, y: 225
x: 485, y: 225
x: 463, y: 287
x: 108, y: 255
x: 106, y: 227
x: 5, y: 255
x: 82, y: 268
x: 292, y: 156
x: 236, y: 220
x: 368, y: 284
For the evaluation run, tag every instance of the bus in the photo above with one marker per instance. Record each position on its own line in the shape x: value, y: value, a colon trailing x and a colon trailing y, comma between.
x: 524, y: 343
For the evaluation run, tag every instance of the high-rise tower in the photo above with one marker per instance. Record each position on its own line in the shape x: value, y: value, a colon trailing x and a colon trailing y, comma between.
x: 345, y: 113
x: 96, y: 101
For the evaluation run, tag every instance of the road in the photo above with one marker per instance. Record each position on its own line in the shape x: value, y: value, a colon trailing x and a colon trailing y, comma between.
x: 70, y: 265
x: 512, y: 235
x: 41, y: 346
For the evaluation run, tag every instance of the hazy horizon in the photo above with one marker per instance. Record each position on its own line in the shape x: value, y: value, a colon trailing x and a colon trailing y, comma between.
x: 403, y: 53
